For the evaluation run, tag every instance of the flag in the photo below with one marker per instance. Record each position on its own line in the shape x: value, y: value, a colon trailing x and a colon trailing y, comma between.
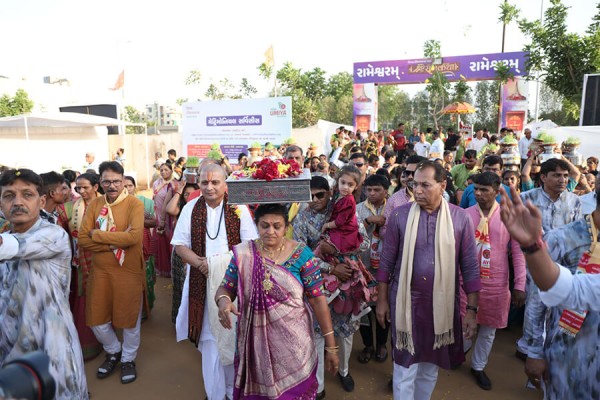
x: 269, y: 58
x: 120, y: 81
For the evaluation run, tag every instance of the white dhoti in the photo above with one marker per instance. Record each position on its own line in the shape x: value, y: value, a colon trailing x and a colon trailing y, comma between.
x: 217, y: 344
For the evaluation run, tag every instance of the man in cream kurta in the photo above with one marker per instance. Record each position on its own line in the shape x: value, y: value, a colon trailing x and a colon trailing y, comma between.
x: 218, y: 378
x: 112, y: 230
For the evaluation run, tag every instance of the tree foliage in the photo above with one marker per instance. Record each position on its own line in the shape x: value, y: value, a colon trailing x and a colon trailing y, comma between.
x: 437, y: 85
x: 131, y: 114
x: 18, y: 104
x: 486, y: 102
x: 561, y: 58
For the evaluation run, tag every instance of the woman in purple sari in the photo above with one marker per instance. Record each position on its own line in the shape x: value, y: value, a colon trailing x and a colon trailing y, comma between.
x: 279, y: 289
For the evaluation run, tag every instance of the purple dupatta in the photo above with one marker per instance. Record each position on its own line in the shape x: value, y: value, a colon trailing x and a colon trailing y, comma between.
x: 276, y: 357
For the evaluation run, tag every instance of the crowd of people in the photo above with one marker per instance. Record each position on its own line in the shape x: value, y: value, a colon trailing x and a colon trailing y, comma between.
x: 425, y: 238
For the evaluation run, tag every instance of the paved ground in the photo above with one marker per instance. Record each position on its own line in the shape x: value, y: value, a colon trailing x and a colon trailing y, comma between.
x: 170, y: 370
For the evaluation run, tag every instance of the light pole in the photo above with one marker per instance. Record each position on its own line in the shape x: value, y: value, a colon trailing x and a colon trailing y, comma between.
x: 539, y: 83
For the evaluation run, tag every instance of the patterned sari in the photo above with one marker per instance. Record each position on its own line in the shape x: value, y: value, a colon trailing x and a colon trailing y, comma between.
x: 161, y: 191
x: 276, y: 357
x: 149, y: 250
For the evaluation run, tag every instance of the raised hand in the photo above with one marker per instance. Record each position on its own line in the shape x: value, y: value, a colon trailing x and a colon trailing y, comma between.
x: 523, y: 221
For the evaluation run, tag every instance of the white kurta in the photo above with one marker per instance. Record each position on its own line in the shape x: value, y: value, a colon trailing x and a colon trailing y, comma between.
x: 218, y: 378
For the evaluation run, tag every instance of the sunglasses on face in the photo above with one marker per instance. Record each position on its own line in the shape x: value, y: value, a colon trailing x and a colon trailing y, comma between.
x: 408, y: 173
x: 359, y: 164
x: 319, y: 195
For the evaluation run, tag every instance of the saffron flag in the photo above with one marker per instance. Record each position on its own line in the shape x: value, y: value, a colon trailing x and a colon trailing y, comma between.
x: 269, y: 57
x: 120, y: 81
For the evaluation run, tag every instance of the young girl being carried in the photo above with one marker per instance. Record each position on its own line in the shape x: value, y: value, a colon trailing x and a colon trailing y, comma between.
x: 341, y: 232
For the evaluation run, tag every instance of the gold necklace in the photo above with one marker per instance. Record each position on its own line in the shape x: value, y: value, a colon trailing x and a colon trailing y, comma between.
x: 267, y: 283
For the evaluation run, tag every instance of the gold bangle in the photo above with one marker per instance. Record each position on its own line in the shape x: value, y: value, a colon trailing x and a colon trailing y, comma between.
x: 332, y: 350
x: 328, y: 333
x: 222, y: 296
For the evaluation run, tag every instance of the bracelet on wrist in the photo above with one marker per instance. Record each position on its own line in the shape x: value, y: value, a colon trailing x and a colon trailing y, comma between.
x: 221, y: 297
x: 328, y: 333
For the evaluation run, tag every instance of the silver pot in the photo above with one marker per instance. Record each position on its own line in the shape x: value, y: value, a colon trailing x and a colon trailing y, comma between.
x: 191, y: 175
x: 547, y: 156
x: 573, y: 155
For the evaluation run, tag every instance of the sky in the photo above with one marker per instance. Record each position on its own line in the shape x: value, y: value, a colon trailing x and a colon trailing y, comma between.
x: 159, y: 42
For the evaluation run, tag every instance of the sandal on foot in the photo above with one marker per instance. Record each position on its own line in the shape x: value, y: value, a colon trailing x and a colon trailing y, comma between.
x: 382, y: 354
x: 365, y: 355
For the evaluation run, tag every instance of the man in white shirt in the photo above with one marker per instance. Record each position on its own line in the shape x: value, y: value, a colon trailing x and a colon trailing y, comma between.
x: 437, y: 148
x: 588, y: 201
x: 558, y: 286
x: 478, y: 142
x: 208, y: 227
x: 422, y: 147
x: 524, y: 144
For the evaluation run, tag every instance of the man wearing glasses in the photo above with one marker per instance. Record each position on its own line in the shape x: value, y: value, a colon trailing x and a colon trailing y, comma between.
x: 112, y: 230
x: 359, y: 161
x: 404, y: 195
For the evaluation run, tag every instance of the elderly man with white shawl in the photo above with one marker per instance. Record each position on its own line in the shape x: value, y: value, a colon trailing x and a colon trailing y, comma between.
x: 426, y: 245
x: 206, y: 231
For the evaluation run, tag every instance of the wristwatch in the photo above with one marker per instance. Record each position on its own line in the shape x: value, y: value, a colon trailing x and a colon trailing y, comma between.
x: 537, y: 245
x: 472, y: 308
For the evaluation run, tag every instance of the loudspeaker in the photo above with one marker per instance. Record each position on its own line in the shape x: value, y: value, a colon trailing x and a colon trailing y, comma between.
x: 590, y: 102
x: 101, y: 110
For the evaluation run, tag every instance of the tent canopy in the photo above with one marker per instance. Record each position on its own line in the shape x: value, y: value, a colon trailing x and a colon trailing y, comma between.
x: 60, y: 120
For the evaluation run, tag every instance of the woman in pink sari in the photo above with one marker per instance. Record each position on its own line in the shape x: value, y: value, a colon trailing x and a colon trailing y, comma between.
x: 279, y: 289
x: 163, y: 190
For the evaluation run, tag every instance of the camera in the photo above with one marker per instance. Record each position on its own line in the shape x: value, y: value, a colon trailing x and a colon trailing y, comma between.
x: 27, y: 377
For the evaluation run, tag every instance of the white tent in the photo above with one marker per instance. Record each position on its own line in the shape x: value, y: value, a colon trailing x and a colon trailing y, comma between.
x: 318, y: 134
x: 589, y: 135
x: 53, y: 141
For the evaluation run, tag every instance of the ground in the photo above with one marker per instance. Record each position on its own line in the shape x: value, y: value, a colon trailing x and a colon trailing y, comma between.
x: 171, y: 370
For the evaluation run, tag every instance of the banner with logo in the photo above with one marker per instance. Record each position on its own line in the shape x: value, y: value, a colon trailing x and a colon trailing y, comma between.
x: 514, y: 104
x: 365, y: 107
x: 470, y: 68
x: 235, y: 125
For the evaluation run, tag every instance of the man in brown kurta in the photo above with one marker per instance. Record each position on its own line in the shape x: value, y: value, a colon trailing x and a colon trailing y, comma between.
x: 112, y: 230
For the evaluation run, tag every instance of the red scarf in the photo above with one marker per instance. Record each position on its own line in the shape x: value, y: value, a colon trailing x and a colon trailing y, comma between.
x: 197, y: 293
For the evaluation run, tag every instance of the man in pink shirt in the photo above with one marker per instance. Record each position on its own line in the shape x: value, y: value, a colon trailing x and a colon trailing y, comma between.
x: 493, y: 242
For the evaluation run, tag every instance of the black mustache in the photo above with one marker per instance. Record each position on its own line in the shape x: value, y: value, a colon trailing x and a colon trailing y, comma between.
x: 19, y: 209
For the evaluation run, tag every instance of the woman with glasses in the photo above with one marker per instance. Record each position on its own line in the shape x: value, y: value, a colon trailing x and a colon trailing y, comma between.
x: 148, y: 239
x: 70, y: 218
x: 163, y: 190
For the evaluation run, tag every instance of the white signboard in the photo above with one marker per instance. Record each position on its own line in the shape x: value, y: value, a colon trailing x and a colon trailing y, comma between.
x: 235, y: 124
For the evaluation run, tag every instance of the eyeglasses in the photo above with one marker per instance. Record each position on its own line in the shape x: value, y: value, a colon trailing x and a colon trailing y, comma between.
x: 358, y: 164
x: 319, y: 195
x: 107, y: 183
x: 408, y: 173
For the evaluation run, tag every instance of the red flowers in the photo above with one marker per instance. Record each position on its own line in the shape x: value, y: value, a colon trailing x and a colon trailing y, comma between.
x: 268, y: 169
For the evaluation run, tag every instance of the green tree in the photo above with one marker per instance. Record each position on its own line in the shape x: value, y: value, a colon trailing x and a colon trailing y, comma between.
x: 437, y: 85
x: 552, y: 107
x: 420, y: 110
x: 339, y: 85
x: 18, y: 104
x: 561, y: 58
x: 131, y: 114
x: 486, y: 102
x: 394, y: 107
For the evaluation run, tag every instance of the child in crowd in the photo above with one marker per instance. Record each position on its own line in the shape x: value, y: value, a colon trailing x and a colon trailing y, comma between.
x: 342, y: 233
